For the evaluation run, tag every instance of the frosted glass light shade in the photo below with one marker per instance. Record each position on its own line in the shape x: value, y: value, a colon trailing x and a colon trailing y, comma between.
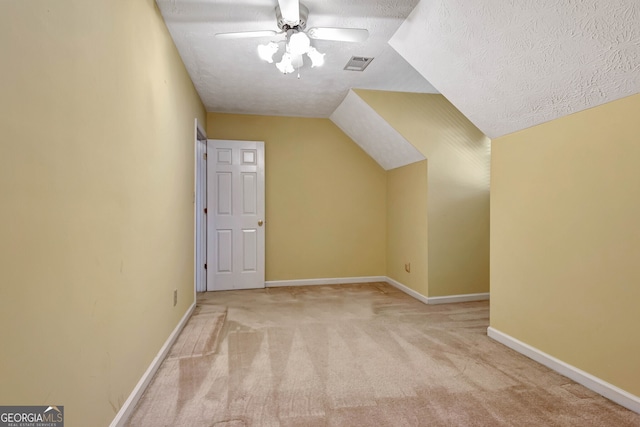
x: 266, y: 51
x: 299, y: 43
x: 317, y: 58
x: 285, y: 65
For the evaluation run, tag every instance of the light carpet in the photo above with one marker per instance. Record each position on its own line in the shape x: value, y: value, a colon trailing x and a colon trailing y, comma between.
x: 355, y: 355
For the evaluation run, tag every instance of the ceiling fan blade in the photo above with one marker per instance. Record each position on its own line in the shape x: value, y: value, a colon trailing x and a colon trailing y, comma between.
x: 338, y: 34
x: 246, y: 34
x: 290, y: 10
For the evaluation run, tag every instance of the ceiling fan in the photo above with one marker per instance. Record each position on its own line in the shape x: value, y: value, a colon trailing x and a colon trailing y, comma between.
x: 291, y: 17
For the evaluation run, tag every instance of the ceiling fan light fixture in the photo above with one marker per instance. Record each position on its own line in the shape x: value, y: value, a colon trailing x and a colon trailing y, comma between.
x: 286, y: 64
x: 317, y: 58
x: 299, y: 43
x: 291, y: 19
x: 266, y: 51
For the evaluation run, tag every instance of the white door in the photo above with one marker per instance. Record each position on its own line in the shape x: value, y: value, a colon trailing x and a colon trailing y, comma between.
x: 235, y: 215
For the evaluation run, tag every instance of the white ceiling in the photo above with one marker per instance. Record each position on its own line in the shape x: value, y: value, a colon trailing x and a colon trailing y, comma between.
x: 506, y: 66
x: 509, y: 65
x: 231, y: 78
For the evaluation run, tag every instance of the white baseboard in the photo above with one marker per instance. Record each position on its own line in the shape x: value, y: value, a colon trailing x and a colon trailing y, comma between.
x: 437, y: 300
x: 407, y: 290
x: 371, y: 279
x: 129, y: 405
x: 327, y: 281
x: 591, y: 382
x: 458, y: 298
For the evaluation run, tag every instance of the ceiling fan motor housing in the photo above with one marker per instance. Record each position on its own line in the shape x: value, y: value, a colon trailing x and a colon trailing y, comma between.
x: 288, y: 25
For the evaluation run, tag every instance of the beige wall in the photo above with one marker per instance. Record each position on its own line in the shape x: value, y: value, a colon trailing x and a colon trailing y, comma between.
x: 407, y: 225
x: 325, y: 197
x: 565, y: 240
x: 96, y: 178
x: 458, y: 181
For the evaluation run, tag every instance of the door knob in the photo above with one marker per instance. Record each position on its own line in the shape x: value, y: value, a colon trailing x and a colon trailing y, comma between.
x: 260, y: 222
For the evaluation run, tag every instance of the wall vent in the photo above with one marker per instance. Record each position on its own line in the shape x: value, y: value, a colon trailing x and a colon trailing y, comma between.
x: 358, y: 63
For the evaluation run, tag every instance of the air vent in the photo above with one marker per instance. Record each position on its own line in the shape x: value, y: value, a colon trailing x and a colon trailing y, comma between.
x: 358, y: 63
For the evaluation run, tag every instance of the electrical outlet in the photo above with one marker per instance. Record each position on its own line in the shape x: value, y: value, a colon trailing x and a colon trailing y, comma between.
x: 175, y: 297
x: 407, y: 267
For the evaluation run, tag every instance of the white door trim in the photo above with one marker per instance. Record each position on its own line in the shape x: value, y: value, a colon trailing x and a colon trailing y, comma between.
x: 200, y: 201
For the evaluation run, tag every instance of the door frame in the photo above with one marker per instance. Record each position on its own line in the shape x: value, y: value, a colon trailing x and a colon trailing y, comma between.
x: 199, y: 203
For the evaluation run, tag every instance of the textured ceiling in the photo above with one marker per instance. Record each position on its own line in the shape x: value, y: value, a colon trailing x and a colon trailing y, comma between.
x: 373, y: 134
x: 509, y: 65
x: 231, y: 78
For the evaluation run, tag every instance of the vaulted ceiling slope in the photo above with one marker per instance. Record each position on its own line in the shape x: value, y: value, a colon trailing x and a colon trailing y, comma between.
x: 509, y: 65
x: 230, y: 77
x: 373, y: 134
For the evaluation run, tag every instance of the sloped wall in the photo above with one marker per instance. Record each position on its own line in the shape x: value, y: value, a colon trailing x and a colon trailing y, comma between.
x: 373, y: 134
x: 458, y: 156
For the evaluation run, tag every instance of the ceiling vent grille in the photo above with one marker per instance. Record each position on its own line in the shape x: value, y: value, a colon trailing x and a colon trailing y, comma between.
x: 358, y: 63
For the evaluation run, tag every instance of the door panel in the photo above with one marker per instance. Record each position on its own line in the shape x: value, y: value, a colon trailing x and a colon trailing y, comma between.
x: 249, y: 157
x: 225, y: 251
x: 223, y: 156
x: 249, y: 249
x: 236, y: 203
x: 249, y: 193
x: 223, y: 201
